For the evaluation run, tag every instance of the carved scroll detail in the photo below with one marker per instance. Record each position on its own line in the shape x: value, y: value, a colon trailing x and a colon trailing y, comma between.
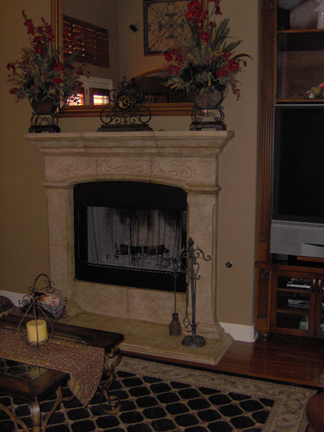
x: 138, y: 165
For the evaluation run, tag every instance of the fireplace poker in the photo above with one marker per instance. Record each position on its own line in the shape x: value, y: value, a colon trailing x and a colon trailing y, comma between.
x: 175, y: 326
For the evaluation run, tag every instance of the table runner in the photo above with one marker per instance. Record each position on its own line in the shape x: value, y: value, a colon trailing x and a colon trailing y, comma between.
x: 83, y: 363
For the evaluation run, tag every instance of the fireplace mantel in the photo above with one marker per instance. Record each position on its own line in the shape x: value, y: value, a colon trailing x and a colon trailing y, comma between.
x: 160, y: 143
x: 183, y: 159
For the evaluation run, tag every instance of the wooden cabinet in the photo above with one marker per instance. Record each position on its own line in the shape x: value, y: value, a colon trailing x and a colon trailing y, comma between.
x: 297, y: 302
x: 291, y: 64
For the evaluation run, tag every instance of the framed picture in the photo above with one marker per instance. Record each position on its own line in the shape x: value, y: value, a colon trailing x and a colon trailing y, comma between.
x: 163, y: 24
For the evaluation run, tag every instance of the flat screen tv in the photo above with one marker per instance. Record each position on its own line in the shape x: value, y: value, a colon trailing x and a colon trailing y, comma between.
x: 297, y: 227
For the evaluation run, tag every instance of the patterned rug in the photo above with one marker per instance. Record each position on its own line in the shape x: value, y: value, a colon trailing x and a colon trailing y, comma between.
x: 156, y: 397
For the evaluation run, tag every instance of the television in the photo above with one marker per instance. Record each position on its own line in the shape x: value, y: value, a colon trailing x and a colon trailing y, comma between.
x: 297, y: 226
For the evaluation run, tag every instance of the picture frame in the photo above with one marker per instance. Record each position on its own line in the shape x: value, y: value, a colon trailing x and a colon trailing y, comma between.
x: 163, y: 23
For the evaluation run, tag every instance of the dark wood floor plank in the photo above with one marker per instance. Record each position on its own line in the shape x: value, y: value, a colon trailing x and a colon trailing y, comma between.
x: 285, y: 359
x: 288, y: 359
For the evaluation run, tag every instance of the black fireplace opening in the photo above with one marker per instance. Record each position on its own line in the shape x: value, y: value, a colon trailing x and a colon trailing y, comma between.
x: 130, y: 234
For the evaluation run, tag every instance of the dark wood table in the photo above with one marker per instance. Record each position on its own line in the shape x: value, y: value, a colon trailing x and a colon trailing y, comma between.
x: 35, y: 384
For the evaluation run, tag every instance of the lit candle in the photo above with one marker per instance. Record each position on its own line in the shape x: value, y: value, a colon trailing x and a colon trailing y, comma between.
x: 36, y: 328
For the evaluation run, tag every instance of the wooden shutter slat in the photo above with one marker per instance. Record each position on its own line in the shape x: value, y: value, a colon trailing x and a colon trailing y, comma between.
x: 91, y: 41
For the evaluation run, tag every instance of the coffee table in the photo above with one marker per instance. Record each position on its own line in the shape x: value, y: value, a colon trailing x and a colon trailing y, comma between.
x: 34, y: 384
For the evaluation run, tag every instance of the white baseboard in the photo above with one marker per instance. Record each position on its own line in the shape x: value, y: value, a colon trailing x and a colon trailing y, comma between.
x: 240, y: 333
x: 13, y: 296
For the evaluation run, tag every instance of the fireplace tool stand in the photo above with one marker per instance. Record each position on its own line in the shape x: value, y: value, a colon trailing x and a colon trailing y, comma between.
x: 191, y: 255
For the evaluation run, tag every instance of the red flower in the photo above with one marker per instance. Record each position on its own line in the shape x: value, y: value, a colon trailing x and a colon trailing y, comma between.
x: 204, y: 36
x: 58, y: 66
x: 168, y: 56
x: 29, y: 23
x: 222, y: 73
x: 217, y: 7
x: 174, y: 54
x: 13, y: 90
x: 11, y: 66
x: 39, y: 49
x: 226, y: 55
x: 233, y: 65
x: 236, y: 91
x: 195, y: 11
x: 195, y: 6
x: 57, y: 80
x: 174, y: 70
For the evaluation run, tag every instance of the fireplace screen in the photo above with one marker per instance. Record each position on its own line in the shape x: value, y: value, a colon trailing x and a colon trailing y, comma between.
x: 143, y: 239
x: 130, y: 234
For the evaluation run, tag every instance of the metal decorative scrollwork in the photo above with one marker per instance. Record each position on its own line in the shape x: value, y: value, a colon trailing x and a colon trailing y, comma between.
x: 44, y: 119
x: 44, y: 122
x: 203, y: 118
x: 45, y: 302
x: 112, y: 360
x: 190, y: 256
x: 126, y: 110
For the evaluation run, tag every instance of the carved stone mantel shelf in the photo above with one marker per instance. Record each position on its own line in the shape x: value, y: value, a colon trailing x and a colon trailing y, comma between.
x: 166, y: 143
x: 188, y: 160
x: 180, y: 158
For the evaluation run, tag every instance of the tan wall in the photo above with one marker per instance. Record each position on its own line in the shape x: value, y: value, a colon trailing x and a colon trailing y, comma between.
x: 23, y: 207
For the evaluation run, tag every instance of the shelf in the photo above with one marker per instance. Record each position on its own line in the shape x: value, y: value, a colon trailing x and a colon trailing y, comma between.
x: 300, y: 40
x: 293, y: 311
x: 291, y: 64
x: 300, y: 101
x: 298, y: 72
x: 294, y: 290
x: 296, y: 322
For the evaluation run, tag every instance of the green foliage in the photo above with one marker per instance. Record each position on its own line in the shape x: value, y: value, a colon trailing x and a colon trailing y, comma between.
x: 40, y: 73
x: 204, y: 60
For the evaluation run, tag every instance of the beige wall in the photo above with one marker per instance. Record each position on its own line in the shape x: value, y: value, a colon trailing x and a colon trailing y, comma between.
x: 23, y: 207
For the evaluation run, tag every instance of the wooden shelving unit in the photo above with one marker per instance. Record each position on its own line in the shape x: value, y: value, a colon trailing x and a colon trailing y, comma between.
x: 291, y: 63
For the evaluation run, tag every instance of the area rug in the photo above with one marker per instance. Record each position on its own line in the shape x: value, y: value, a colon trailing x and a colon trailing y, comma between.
x: 157, y: 397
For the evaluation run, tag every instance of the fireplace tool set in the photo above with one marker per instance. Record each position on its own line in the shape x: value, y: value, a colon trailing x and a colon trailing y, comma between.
x: 187, y: 262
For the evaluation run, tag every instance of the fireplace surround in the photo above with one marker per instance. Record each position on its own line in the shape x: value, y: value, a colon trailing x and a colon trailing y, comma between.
x: 184, y: 159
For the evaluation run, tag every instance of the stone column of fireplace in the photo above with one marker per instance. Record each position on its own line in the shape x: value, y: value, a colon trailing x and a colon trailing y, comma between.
x: 184, y: 159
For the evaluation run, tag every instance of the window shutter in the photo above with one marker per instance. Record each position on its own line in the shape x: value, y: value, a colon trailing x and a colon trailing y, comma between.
x: 91, y: 42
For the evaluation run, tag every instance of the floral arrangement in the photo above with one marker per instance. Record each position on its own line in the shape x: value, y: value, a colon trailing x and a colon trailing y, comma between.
x: 41, y: 74
x: 316, y: 92
x: 204, y: 60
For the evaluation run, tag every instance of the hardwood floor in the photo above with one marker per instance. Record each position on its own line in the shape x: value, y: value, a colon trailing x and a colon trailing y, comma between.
x: 282, y: 358
x: 290, y: 359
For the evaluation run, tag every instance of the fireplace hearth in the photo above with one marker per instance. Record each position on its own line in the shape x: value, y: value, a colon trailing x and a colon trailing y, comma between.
x: 185, y: 160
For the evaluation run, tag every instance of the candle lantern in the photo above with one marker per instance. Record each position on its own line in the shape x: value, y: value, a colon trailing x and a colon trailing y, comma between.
x: 41, y: 307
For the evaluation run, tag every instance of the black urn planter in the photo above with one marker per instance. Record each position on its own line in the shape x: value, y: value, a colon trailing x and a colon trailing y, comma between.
x: 44, y: 117
x: 203, y: 102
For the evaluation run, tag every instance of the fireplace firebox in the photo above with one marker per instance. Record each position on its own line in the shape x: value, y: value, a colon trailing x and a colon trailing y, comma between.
x: 130, y: 234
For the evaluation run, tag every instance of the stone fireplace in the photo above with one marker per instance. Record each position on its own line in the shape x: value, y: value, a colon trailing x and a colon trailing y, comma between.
x: 188, y: 160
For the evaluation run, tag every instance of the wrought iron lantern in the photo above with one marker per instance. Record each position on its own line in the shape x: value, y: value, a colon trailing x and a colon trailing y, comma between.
x: 43, y: 306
